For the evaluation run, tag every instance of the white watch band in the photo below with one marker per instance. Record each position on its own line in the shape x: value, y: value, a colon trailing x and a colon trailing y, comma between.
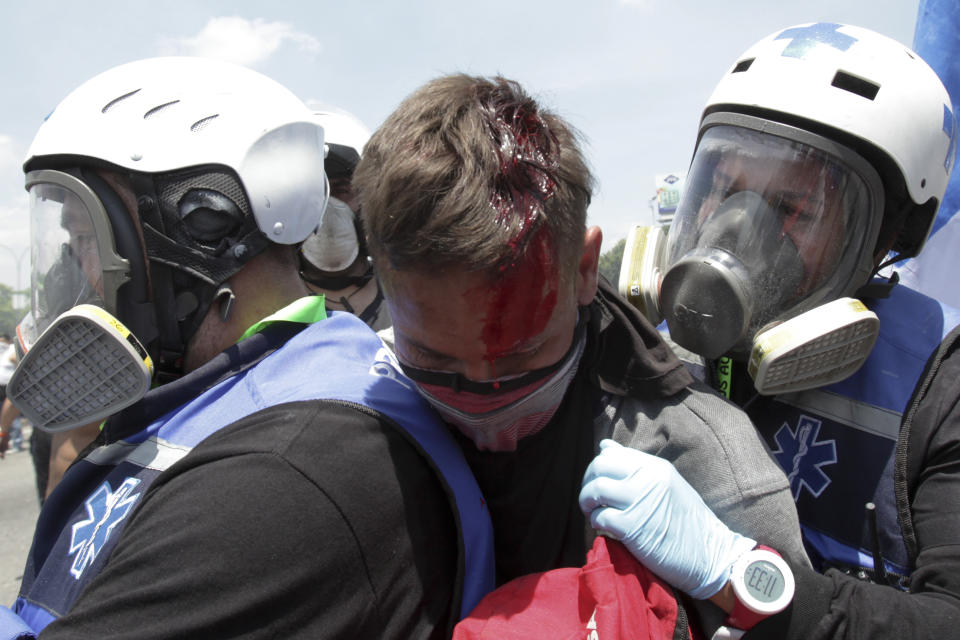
x: 727, y: 633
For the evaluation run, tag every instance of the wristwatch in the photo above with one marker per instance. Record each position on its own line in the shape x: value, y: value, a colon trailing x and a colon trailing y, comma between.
x: 763, y: 586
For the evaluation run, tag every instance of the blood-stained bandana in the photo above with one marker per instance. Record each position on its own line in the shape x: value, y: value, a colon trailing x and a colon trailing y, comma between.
x: 496, y: 414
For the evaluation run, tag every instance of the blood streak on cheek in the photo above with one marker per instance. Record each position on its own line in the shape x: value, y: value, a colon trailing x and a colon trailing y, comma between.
x: 522, y: 302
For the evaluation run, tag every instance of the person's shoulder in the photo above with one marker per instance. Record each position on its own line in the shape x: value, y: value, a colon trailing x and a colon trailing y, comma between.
x: 950, y: 351
x: 297, y: 431
x: 391, y: 508
x: 937, y: 395
x: 282, y: 524
x: 700, y: 405
x: 699, y: 420
x: 341, y: 448
x: 706, y: 437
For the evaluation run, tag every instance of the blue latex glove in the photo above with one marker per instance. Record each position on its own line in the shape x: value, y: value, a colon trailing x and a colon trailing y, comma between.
x: 642, y: 501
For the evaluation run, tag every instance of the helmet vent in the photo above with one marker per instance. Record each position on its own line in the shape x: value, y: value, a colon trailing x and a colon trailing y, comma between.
x: 202, y: 122
x: 853, y: 84
x: 118, y: 100
x: 743, y: 65
x: 157, y: 109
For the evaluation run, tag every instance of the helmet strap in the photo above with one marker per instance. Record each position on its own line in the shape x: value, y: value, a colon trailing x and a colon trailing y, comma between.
x: 170, y: 345
x: 133, y: 301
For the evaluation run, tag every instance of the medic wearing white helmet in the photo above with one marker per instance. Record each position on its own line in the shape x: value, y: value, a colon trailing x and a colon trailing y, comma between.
x: 198, y: 169
x: 334, y: 260
x: 823, y: 154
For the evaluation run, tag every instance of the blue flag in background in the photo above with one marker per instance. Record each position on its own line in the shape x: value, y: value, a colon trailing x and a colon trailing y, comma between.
x: 937, y: 40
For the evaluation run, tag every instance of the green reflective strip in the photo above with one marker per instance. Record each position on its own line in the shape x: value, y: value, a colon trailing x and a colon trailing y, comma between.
x: 724, y: 370
x: 306, y: 310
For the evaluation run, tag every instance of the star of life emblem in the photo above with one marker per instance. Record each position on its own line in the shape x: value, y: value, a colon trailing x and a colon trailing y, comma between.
x: 803, y: 457
x: 105, y: 510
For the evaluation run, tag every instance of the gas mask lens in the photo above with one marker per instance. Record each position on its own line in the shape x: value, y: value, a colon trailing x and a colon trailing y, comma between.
x: 767, y: 227
x: 65, y: 259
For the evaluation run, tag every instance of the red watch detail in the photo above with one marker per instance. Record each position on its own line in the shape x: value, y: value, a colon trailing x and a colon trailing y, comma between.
x: 743, y: 618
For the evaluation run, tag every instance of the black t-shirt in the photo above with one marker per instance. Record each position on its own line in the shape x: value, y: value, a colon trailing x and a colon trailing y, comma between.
x: 307, y: 520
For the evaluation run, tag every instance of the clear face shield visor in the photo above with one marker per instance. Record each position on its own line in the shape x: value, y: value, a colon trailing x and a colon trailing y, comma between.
x: 768, y: 227
x: 775, y: 228
x: 80, y: 364
x: 73, y: 259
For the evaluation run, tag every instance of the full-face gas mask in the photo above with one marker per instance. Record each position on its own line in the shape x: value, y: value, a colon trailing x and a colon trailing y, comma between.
x: 79, y: 363
x: 730, y: 282
x: 774, y: 223
x: 151, y: 185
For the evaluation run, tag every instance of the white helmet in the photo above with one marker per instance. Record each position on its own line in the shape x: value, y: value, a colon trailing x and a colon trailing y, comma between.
x: 221, y: 162
x: 861, y: 89
x: 162, y: 114
x: 823, y: 147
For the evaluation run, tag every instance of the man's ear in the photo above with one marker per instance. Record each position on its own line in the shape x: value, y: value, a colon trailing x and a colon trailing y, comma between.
x: 589, y: 268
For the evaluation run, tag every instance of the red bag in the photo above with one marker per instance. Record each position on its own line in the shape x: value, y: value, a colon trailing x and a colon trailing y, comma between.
x: 612, y: 597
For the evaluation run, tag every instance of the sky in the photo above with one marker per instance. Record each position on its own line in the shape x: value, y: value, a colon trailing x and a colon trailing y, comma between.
x: 631, y: 75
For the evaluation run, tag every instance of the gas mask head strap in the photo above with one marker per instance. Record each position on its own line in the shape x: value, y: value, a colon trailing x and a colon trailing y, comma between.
x: 133, y: 301
x: 338, y: 283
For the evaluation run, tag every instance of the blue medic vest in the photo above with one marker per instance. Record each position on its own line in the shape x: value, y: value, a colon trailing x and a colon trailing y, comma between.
x: 81, y: 522
x: 837, y: 444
